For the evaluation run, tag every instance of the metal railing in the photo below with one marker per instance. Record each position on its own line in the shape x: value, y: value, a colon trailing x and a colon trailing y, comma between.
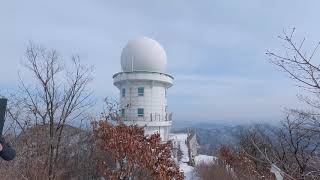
x: 150, y: 117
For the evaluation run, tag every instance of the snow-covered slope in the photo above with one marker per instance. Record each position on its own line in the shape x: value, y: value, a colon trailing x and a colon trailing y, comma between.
x: 180, y: 140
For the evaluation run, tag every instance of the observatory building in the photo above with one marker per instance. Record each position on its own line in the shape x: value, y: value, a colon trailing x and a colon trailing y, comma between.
x: 143, y: 86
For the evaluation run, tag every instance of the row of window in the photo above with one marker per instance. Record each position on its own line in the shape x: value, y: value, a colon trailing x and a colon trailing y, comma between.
x: 140, y: 92
x: 140, y: 112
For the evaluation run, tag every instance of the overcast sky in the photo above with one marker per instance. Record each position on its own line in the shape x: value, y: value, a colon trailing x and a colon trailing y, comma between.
x: 215, y: 49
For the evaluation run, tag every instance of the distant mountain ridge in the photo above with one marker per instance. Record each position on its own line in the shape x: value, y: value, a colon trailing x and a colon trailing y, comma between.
x: 211, y: 136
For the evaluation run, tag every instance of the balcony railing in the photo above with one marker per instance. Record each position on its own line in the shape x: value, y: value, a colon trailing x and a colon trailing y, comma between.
x: 150, y: 117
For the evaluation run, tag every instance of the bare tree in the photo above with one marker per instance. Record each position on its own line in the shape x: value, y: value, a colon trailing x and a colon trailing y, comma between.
x: 56, y: 97
x: 111, y: 110
x: 301, y: 130
x: 304, y: 68
x: 301, y: 145
x: 291, y: 147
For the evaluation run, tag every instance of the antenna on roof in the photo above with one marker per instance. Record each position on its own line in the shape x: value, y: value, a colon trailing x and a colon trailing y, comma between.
x: 132, y: 63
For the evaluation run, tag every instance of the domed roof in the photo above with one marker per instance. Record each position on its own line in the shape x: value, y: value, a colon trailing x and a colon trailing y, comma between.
x: 143, y: 54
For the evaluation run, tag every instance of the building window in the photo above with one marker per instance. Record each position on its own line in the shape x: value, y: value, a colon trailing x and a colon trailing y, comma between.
x: 140, y: 91
x: 123, y: 92
x: 122, y: 112
x: 140, y: 112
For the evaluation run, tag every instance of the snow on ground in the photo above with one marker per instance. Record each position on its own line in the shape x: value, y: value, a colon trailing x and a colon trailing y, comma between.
x: 188, y: 171
x: 181, y: 139
x: 204, y: 159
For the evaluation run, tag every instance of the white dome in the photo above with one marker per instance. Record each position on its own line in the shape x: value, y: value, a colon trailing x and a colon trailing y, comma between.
x: 143, y: 54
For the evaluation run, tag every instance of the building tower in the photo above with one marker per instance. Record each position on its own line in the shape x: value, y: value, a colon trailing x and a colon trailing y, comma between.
x: 143, y: 86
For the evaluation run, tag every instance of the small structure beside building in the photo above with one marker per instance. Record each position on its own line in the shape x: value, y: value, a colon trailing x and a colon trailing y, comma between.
x: 192, y: 145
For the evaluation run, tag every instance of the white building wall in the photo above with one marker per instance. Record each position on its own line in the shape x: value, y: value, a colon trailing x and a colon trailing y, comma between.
x: 154, y: 102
